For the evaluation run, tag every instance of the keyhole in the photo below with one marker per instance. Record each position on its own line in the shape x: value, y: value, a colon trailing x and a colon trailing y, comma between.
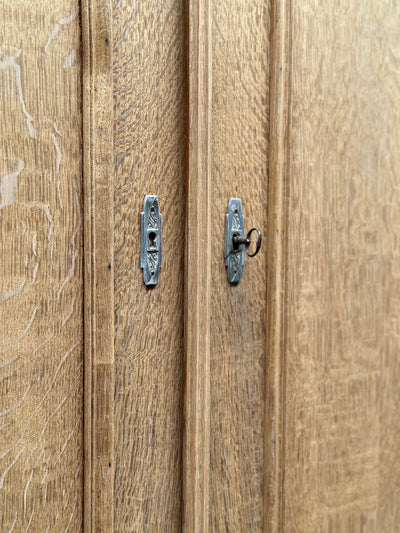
x: 235, y: 245
x: 152, y: 239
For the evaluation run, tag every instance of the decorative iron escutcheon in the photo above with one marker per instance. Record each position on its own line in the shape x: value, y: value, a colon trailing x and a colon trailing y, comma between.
x: 234, y: 225
x: 236, y: 242
x: 150, y: 255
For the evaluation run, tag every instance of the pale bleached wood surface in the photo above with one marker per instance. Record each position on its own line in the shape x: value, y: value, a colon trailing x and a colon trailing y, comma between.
x: 41, y: 329
x: 341, y: 428
x: 149, y: 144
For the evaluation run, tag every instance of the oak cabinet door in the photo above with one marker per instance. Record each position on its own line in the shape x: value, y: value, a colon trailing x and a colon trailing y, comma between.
x: 149, y: 155
x: 199, y: 405
x: 228, y: 136
x: 339, y: 455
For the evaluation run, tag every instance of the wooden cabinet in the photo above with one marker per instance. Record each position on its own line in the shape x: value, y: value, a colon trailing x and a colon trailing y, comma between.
x: 197, y: 405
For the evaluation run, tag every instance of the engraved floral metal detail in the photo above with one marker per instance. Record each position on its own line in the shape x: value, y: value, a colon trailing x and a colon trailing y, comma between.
x: 150, y: 256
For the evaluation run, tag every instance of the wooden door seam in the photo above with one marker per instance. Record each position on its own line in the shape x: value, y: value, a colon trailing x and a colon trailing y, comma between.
x: 97, y: 101
x: 278, y: 183
x: 196, y: 448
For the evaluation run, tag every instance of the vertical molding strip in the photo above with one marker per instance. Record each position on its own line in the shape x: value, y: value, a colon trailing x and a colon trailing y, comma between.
x: 278, y: 183
x: 97, y: 99
x: 196, y: 452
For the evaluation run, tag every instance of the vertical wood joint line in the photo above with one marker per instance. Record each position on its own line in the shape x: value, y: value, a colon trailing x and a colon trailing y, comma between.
x: 97, y: 123
x: 278, y: 184
x: 198, y: 271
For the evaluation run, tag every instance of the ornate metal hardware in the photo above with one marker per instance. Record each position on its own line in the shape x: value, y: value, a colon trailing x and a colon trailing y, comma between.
x: 150, y: 255
x: 236, y: 242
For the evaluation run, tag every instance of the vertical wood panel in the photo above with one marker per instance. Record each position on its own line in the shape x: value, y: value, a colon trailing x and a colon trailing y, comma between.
x: 149, y: 74
x: 342, y: 463
x: 196, y: 482
x: 240, y: 130
x: 41, y: 374
x: 99, y: 265
x: 276, y: 262
x: 225, y: 325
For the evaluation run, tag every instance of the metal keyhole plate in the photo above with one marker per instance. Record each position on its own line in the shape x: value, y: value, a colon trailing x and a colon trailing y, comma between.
x: 234, y: 227
x: 150, y: 255
x: 236, y: 242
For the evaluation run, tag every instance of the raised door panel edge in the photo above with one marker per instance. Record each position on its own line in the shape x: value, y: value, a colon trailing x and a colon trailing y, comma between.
x: 276, y: 242
x: 196, y: 450
x: 98, y: 265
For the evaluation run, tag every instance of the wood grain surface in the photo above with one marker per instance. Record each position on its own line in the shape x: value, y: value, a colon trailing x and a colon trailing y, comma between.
x: 98, y: 187
x: 41, y: 328
x: 149, y: 148
x: 276, y: 245
x: 239, y: 162
x: 197, y: 430
x: 292, y: 396
x: 341, y: 400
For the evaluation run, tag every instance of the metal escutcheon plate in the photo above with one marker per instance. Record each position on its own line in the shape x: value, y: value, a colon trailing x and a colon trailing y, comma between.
x: 150, y: 256
x: 234, y: 225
